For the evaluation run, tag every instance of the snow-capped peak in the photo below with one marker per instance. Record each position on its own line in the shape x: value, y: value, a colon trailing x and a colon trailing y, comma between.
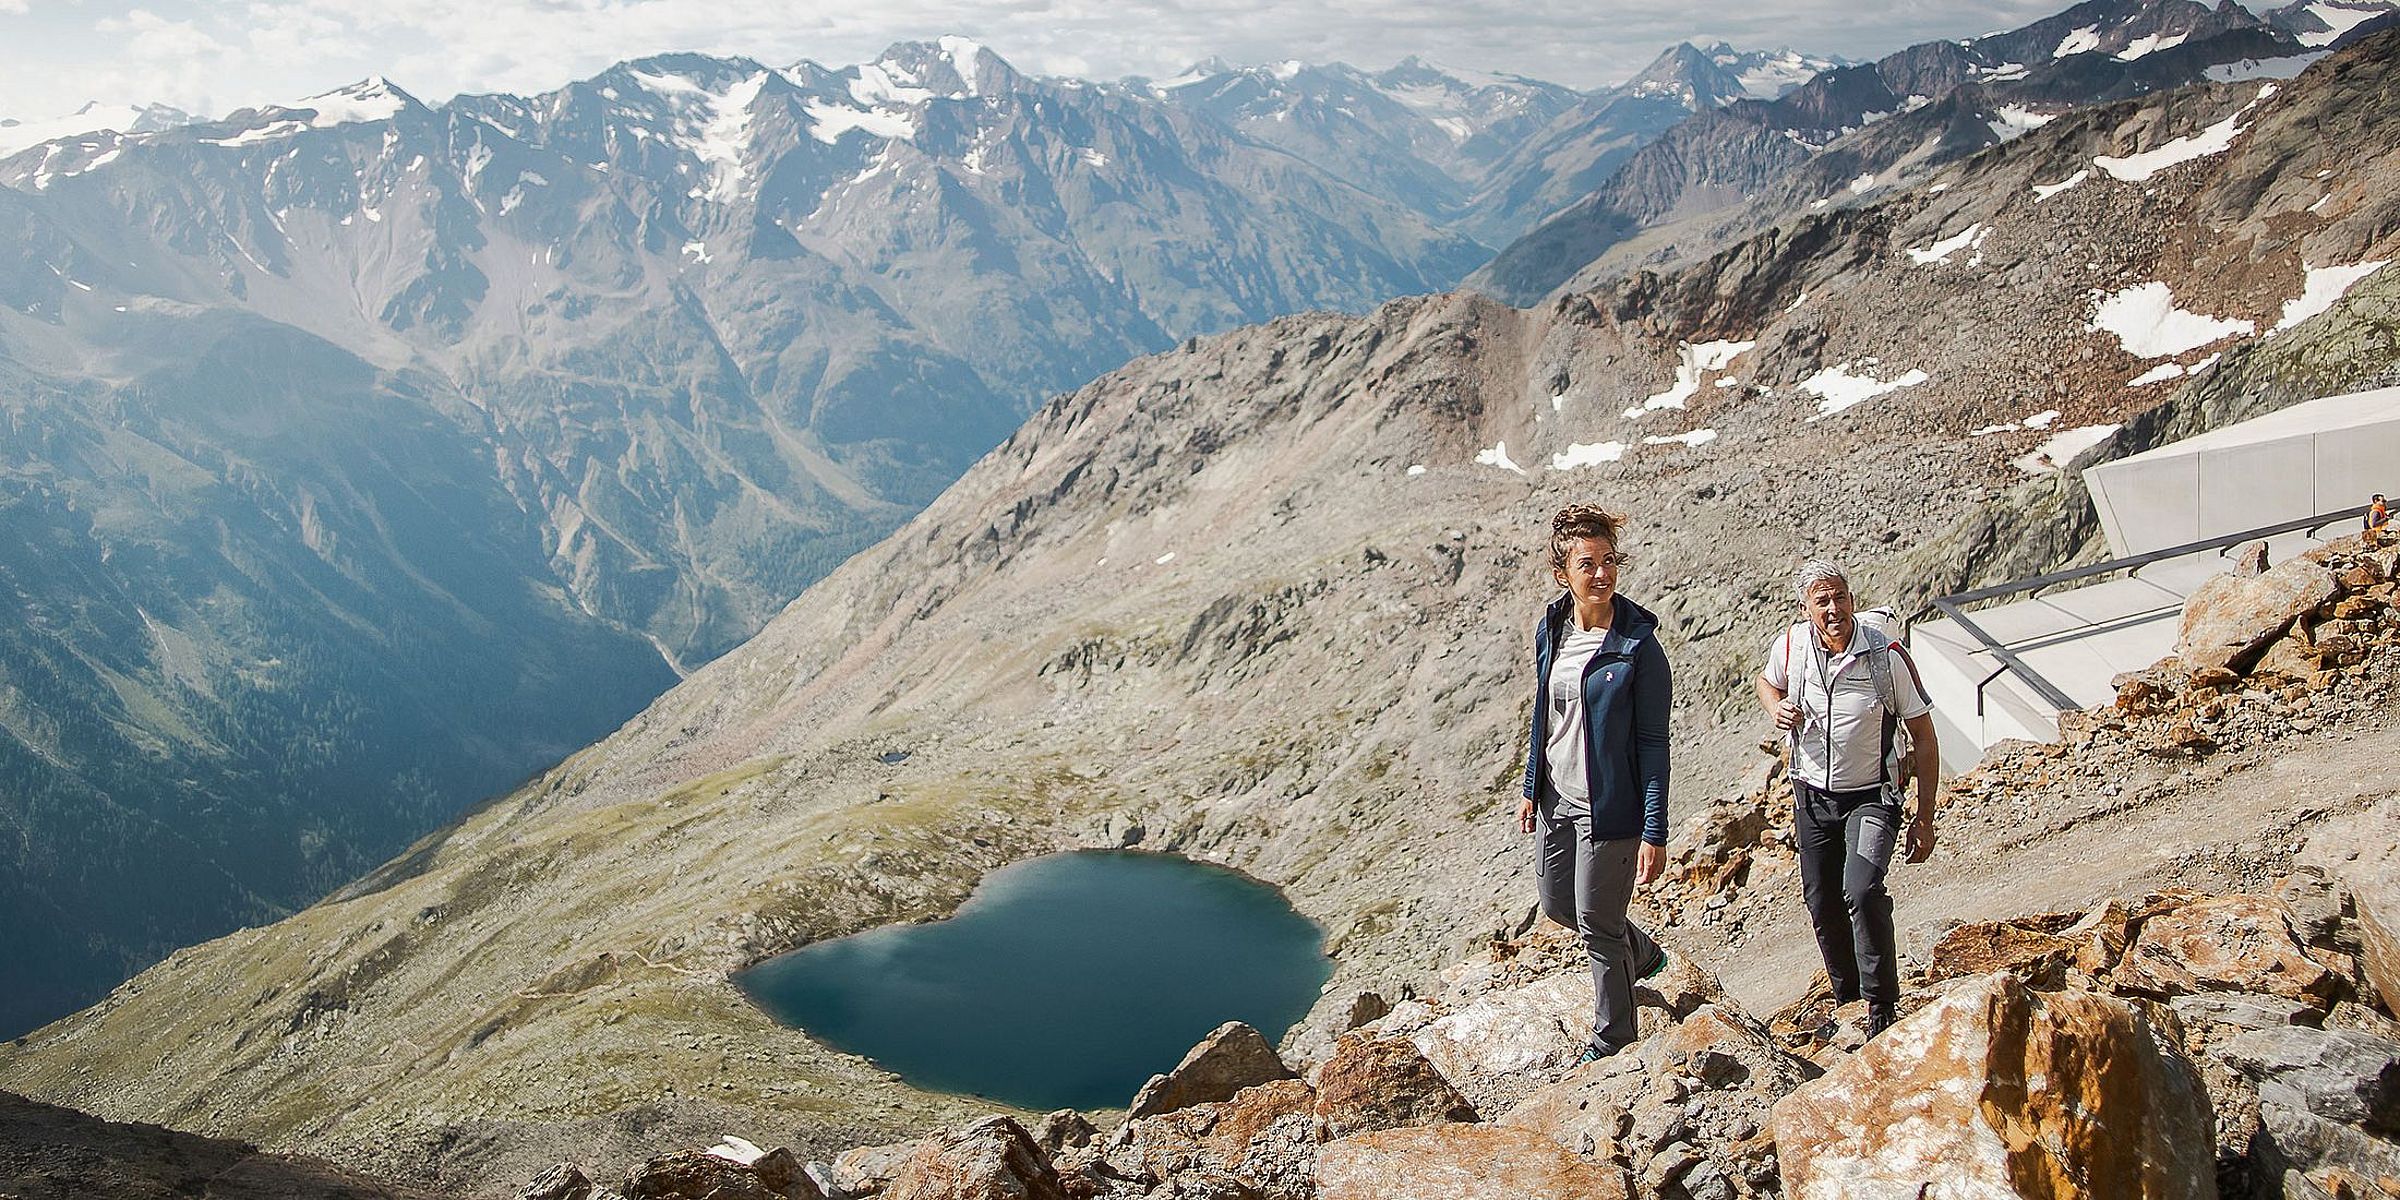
x: 371, y: 99
x: 94, y: 117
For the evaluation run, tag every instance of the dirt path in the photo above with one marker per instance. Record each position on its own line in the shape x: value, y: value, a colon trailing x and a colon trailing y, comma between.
x: 2230, y: 825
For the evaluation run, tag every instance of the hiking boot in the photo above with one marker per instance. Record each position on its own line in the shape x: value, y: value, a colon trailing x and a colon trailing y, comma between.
x: 1597, y: 1050
x: 1879, y: 1018
x: 1652, y: 965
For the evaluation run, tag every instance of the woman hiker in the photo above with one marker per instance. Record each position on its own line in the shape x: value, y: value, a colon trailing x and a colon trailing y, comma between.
x: 1596, y: 763
x: 1836, y: 688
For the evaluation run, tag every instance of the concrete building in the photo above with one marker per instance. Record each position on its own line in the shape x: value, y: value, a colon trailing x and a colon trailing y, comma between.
x: 2319, y: 457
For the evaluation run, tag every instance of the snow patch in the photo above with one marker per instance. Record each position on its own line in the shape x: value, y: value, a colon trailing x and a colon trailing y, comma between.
x: 2325, y: 287
x: 828, y: 123
x: 696, y: 251
x: 2082, y: 41
x: 1692, y: 362
x: 1697, y: 437
x: 2149, y: 44
x: 2341, y: 18
x: 1969, y: 238
x: 1577, y: 454
x: 2147, y: 323
x: 1497, y: 456
x: 2158, y: 374
x: 1416, y: 469
x: 1863, y: 184
x: 2061, y: 449
x: 2012, y: 121
x: 2138, y: 168
x: 2043, y: 191
x: 2042, y: 419
x: 1836, y: 388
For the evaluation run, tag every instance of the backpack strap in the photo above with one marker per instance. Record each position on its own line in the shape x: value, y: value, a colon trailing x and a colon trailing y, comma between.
x: 1878, y: 653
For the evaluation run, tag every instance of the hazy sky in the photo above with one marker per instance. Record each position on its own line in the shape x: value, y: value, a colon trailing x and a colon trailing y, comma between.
x: 214, y: 57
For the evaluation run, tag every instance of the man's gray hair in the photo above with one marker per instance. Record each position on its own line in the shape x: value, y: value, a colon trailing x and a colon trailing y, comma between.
x: 1814, y: 572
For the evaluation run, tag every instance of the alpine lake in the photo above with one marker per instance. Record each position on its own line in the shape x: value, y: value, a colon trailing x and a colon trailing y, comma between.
x: 1065, y: 981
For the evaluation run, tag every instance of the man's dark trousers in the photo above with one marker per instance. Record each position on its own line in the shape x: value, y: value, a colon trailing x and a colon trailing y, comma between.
x: 1845, y: 841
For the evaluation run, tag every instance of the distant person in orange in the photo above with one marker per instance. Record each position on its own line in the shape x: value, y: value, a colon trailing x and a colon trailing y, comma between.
x: 2379, y: 519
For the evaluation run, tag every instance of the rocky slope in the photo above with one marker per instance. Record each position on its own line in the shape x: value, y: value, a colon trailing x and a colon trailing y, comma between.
x: 2153, y: 1035
x: 1208, y: 605
x: 1849, y: 133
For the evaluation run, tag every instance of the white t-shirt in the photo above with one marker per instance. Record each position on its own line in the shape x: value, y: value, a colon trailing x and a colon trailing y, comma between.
x: 1839, y: 745
x: 1567, y: 718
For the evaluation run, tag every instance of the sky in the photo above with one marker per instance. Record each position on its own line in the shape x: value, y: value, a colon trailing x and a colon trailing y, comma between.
x: 212, y: 57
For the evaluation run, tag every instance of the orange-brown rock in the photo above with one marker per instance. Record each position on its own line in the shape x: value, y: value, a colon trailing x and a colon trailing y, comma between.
x: 1232, y: 1057
x: 691, y: 1175
x: 1264, y: 1138
x: 2229, y: 619
x: 1373, y: 1083
x: 1997, y: 1090
x: 2238, y: 943
x: 1461, y: 1162
x: 991, y: 1159
x: 2031, y: 946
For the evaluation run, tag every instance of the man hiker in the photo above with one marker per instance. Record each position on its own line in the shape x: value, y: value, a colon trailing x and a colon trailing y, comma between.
x: 2379, y: 519
x: 1843, y: 691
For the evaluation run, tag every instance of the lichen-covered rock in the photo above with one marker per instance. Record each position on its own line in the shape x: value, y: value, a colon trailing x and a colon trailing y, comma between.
x: 1998, y: 1090
x: 1509, y: 1043
x: 991, y: 1159
x: 2361, y: 855
x: 1461, y: 1162
x: 1374, y: 1083
x: 869, y: 1169
x: 1231, y: 1058
x: 2237, y: 943
x: 2338, y: 1074
x: 1586, y: 1111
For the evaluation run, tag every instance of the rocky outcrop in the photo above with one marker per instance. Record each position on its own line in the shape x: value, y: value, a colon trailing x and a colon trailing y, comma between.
x: 691, y: 1175
x: 2225, y: 944
x: 1230, y: 1059
x: 1996, y: 1089
x: 2360, y: 855
x: 2329, y: 1109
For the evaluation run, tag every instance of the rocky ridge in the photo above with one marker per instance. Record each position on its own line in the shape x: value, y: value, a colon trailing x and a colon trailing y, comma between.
x: 1200, y: 562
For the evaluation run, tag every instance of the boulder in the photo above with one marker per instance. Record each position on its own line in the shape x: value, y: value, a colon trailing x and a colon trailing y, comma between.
x: 1374, y: 1083
x: 1998, y: 1090
x: 869, y: 1169
x: 2031, y: 947
x: 1233, y: 1057
x: 2337, y: 1074
x: 2230, y: 618
x: 2237, y: 943
x: 1504, y: 1045
x: 1263, y: 1141
x: 1584, y: 1112
x: 1065, y: 1129
x: 1678, y: 990
x: 1461, y: 1162
x: 565, y: 1181
x: 2361, y: 855
x: 991, y: 1159
x: 694, y: 1175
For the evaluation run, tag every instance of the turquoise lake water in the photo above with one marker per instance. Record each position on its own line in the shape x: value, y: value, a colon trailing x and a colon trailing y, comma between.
x: 1065, y: 982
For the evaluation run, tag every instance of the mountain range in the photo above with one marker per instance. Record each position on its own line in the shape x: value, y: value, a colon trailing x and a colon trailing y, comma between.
x: 367, y: 456
x: 1262, y: 599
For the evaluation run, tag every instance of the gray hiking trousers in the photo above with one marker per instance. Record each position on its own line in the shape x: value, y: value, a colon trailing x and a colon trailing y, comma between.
x: 1585, y: 886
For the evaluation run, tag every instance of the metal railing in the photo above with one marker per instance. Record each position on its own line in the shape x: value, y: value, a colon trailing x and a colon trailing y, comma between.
x: 1954, y: 607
